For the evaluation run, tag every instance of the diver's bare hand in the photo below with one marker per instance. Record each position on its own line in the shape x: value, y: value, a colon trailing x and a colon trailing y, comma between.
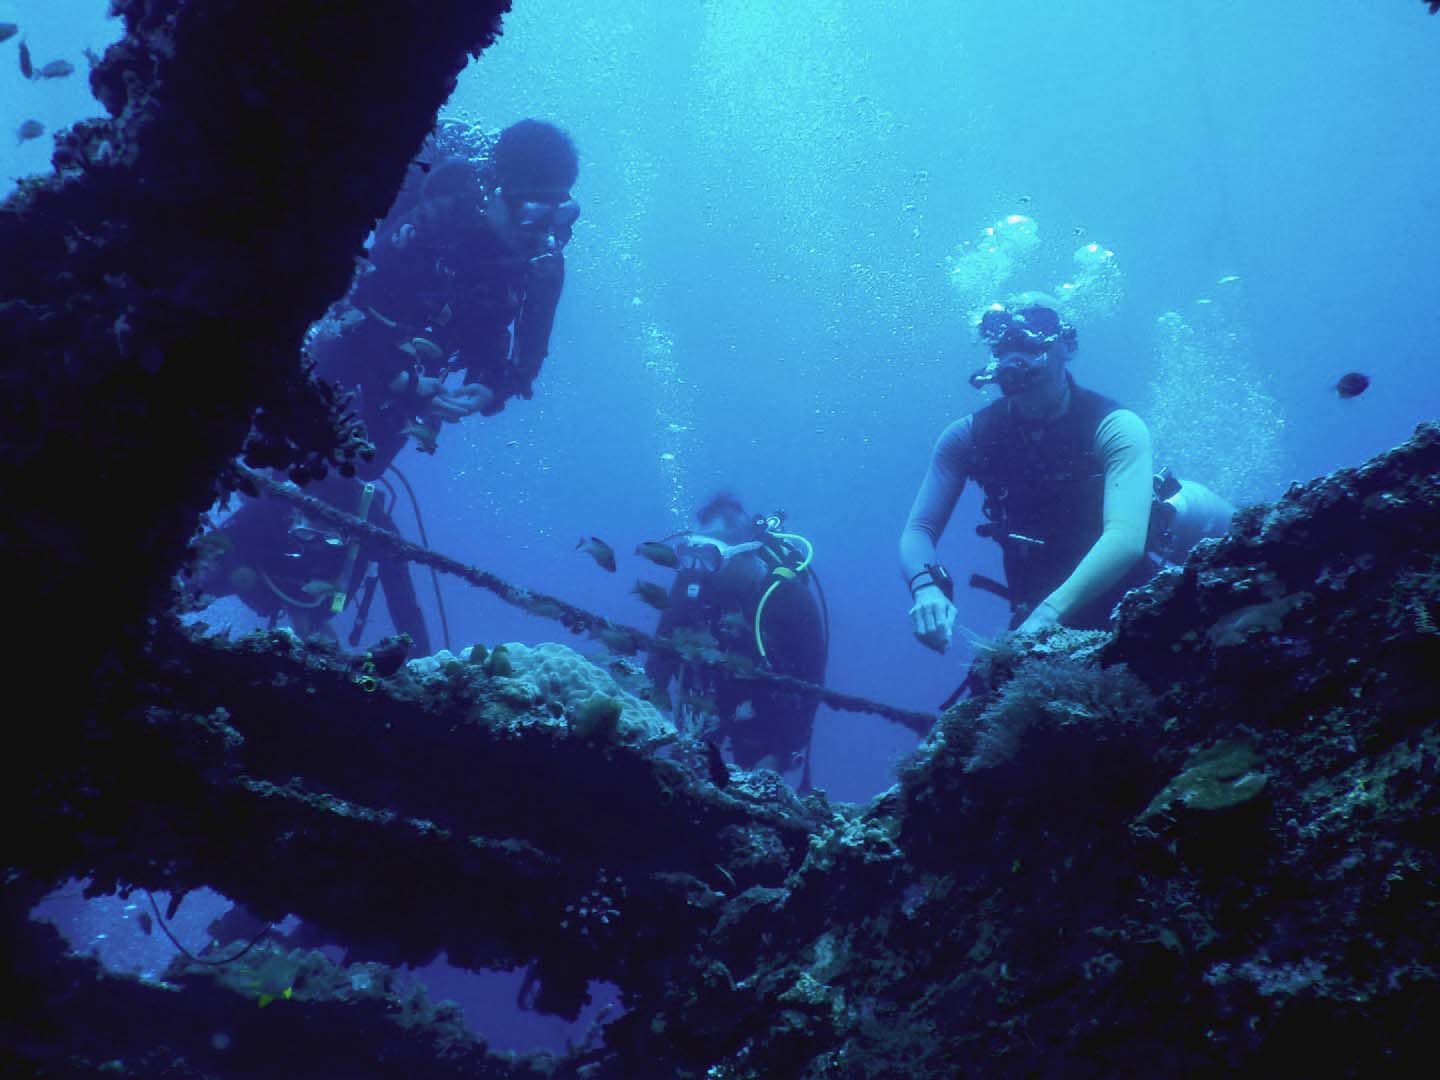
x: 932, y: 617
x: 1042, y: 617
x: 454, y: 405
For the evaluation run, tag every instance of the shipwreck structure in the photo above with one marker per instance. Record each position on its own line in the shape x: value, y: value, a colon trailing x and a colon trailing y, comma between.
x: 1203, y: 844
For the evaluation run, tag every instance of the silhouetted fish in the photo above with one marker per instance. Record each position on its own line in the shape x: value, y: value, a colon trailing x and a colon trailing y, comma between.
x: 26, y: 68
x: 1352, y: 384
x: 617, y: 640
x: 30, y: 129
x: 658, y: 553
x: 598, y: 550
x: 8, y: 30
x: 55, y: 69
x: 652, y: 594
x: 146, y: 923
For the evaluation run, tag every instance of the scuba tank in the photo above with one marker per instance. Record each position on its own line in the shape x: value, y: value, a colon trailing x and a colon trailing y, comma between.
x: 792, y: 555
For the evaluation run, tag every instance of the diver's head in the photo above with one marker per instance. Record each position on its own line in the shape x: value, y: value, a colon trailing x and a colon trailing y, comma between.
x: 309, y: 536
x: 534, y: 165
x: 722, y: 513
x: 1029, y: 342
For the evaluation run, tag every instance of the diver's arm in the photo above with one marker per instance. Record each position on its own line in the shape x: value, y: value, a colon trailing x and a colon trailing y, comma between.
x: 1122, y: 442
x: 935, y: 501
x: 933, y: 615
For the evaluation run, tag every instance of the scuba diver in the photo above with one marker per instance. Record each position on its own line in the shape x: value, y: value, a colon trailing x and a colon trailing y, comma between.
x: 282, y: 563
x: 464, y: 278
x: 748, y: 583
x: 451, y: 316
x: 1071, y: 494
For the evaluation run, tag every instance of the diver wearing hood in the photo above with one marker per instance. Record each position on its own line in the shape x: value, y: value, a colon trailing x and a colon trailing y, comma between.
x: 1068, y: 480
x: 463, y: 278
x: 750, y: 584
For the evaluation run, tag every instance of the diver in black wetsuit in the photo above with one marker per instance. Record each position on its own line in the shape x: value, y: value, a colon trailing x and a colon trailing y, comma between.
x: 749, y: 584
x: 465, y: 276
x: 451, y: 317
x: 1070, y: 489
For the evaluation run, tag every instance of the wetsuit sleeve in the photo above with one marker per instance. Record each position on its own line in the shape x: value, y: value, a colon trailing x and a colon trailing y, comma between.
x: 950, y: 464
x: 1122, y: 442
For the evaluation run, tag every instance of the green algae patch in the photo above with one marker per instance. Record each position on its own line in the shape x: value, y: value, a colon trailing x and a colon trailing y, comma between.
x: 1224, y: 775
x: 498, y: 664
x: 597, y: 718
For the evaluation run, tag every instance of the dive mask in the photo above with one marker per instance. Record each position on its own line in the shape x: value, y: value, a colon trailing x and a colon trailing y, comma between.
x: 1028, y: 329
x: 535, y: 215
x: 303, y: 533
x: 698, y: 552
x: 1019, y: 342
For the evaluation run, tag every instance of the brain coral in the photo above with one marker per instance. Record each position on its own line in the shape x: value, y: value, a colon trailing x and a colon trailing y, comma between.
x: 566, y: 683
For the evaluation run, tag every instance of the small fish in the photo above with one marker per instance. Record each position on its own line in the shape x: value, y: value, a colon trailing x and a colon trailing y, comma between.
x: 443, y: 316
x: 545, y: 608
x: 147, y: 924
x: 598, y: 550
x: 30, y: 129
x: 658, y: 553
x: 652, y: 594
x: 56, y: 69
x: 26, y: 67
x: 617, y: 641
x: 719, y: 771
x: 8, y: 30
x: 318, y: 588
x: 1352, y: 384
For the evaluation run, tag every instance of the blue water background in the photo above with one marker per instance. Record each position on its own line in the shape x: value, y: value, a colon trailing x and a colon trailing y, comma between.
x: 759, y: 287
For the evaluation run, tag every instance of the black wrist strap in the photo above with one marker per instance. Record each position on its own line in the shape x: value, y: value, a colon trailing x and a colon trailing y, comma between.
x: 936, y: 575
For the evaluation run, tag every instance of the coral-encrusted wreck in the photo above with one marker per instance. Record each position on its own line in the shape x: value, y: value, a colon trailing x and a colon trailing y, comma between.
x: 1205, y: 844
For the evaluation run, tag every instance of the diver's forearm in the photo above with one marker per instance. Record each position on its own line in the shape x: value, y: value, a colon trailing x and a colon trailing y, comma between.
x: 917, y: 550
x: 1104, y: 566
